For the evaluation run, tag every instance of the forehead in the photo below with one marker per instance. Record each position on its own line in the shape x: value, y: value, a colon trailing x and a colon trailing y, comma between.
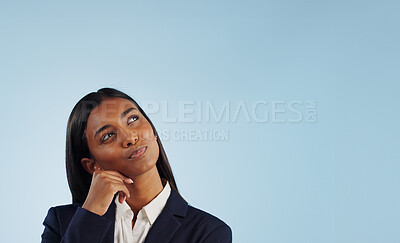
x: 109, y: 110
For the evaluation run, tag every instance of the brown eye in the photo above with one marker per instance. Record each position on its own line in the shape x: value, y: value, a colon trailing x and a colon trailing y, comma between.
x: 107, y: 136
x: 132, y: 119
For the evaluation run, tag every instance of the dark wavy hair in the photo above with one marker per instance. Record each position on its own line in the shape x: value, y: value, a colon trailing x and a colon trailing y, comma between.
x: 79, y: 179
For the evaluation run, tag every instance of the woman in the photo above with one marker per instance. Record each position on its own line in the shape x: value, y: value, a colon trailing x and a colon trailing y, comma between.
x: 122, y: 185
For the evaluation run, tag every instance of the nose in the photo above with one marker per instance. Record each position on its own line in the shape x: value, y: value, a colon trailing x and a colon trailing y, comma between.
x: 129, y: 139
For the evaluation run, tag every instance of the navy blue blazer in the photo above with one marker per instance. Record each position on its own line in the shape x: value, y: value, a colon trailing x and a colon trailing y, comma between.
x: 178, y: 222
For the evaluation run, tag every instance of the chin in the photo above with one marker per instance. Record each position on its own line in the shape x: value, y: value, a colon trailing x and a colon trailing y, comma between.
x: 143, y: 168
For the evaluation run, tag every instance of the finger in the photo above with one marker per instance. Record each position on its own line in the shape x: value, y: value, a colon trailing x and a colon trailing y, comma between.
x: 117, y: 186
x: 122, y: 189
x: 116, y: 173
x: 115, y: 177
x: 119, y: 175
x: 122, y: 197
x: 128, y: 181
x: 113, y: 181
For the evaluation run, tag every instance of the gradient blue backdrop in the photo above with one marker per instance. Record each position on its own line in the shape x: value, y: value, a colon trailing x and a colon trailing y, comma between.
x: 335, y: 180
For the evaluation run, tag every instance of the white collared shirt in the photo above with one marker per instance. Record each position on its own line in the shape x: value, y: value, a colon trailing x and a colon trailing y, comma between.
x: 145, y: 219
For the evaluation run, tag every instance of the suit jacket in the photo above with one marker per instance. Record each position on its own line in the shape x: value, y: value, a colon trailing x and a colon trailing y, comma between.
x: 178, y: 222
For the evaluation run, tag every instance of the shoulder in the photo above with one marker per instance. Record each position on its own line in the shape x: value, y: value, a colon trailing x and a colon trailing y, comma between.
x: 58, y: 215
x: 208, y: 227
x: 202, y: 217
x: 57, y: 219
x: 196, y: 224
x: 62, y: 211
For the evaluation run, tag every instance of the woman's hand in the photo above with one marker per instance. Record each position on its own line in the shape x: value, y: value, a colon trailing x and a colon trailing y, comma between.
x: 105, y: 183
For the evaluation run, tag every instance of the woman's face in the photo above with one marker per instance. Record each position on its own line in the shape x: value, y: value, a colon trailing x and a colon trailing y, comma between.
x: 115, y: 131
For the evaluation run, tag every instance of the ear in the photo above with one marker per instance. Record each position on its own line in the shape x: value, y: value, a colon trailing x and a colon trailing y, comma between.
x: 89, y: 165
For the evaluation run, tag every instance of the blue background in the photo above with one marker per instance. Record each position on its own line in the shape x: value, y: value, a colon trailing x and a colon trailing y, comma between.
x: 333, y: 180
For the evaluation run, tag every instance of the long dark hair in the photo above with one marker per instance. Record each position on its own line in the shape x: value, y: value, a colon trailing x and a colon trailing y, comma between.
x: 79, y: 179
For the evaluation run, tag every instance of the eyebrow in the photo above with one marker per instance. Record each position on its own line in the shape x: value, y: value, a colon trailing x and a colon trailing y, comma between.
x: 107, y: 126
x: 127, y: 111
x: 101, y: 129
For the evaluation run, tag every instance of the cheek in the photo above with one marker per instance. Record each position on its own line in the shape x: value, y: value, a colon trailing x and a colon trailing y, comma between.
x: 155, y: 149
x: 106, y: 157
x: 153, y: 152
x: 146, y: 132
x: 147, y: 135
x: 105, y: 153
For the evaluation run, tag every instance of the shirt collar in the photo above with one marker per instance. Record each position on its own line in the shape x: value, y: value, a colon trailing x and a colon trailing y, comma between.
x: 151, y: 210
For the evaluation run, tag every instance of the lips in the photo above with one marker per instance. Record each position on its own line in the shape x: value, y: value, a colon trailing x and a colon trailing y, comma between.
x: 137, y: 153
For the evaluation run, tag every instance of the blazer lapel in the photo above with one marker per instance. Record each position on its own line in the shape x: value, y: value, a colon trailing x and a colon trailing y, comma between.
x: 167, y: 223
x: 163, y: 229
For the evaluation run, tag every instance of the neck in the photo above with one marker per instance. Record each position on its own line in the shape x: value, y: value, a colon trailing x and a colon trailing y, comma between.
x: 144, y: 189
